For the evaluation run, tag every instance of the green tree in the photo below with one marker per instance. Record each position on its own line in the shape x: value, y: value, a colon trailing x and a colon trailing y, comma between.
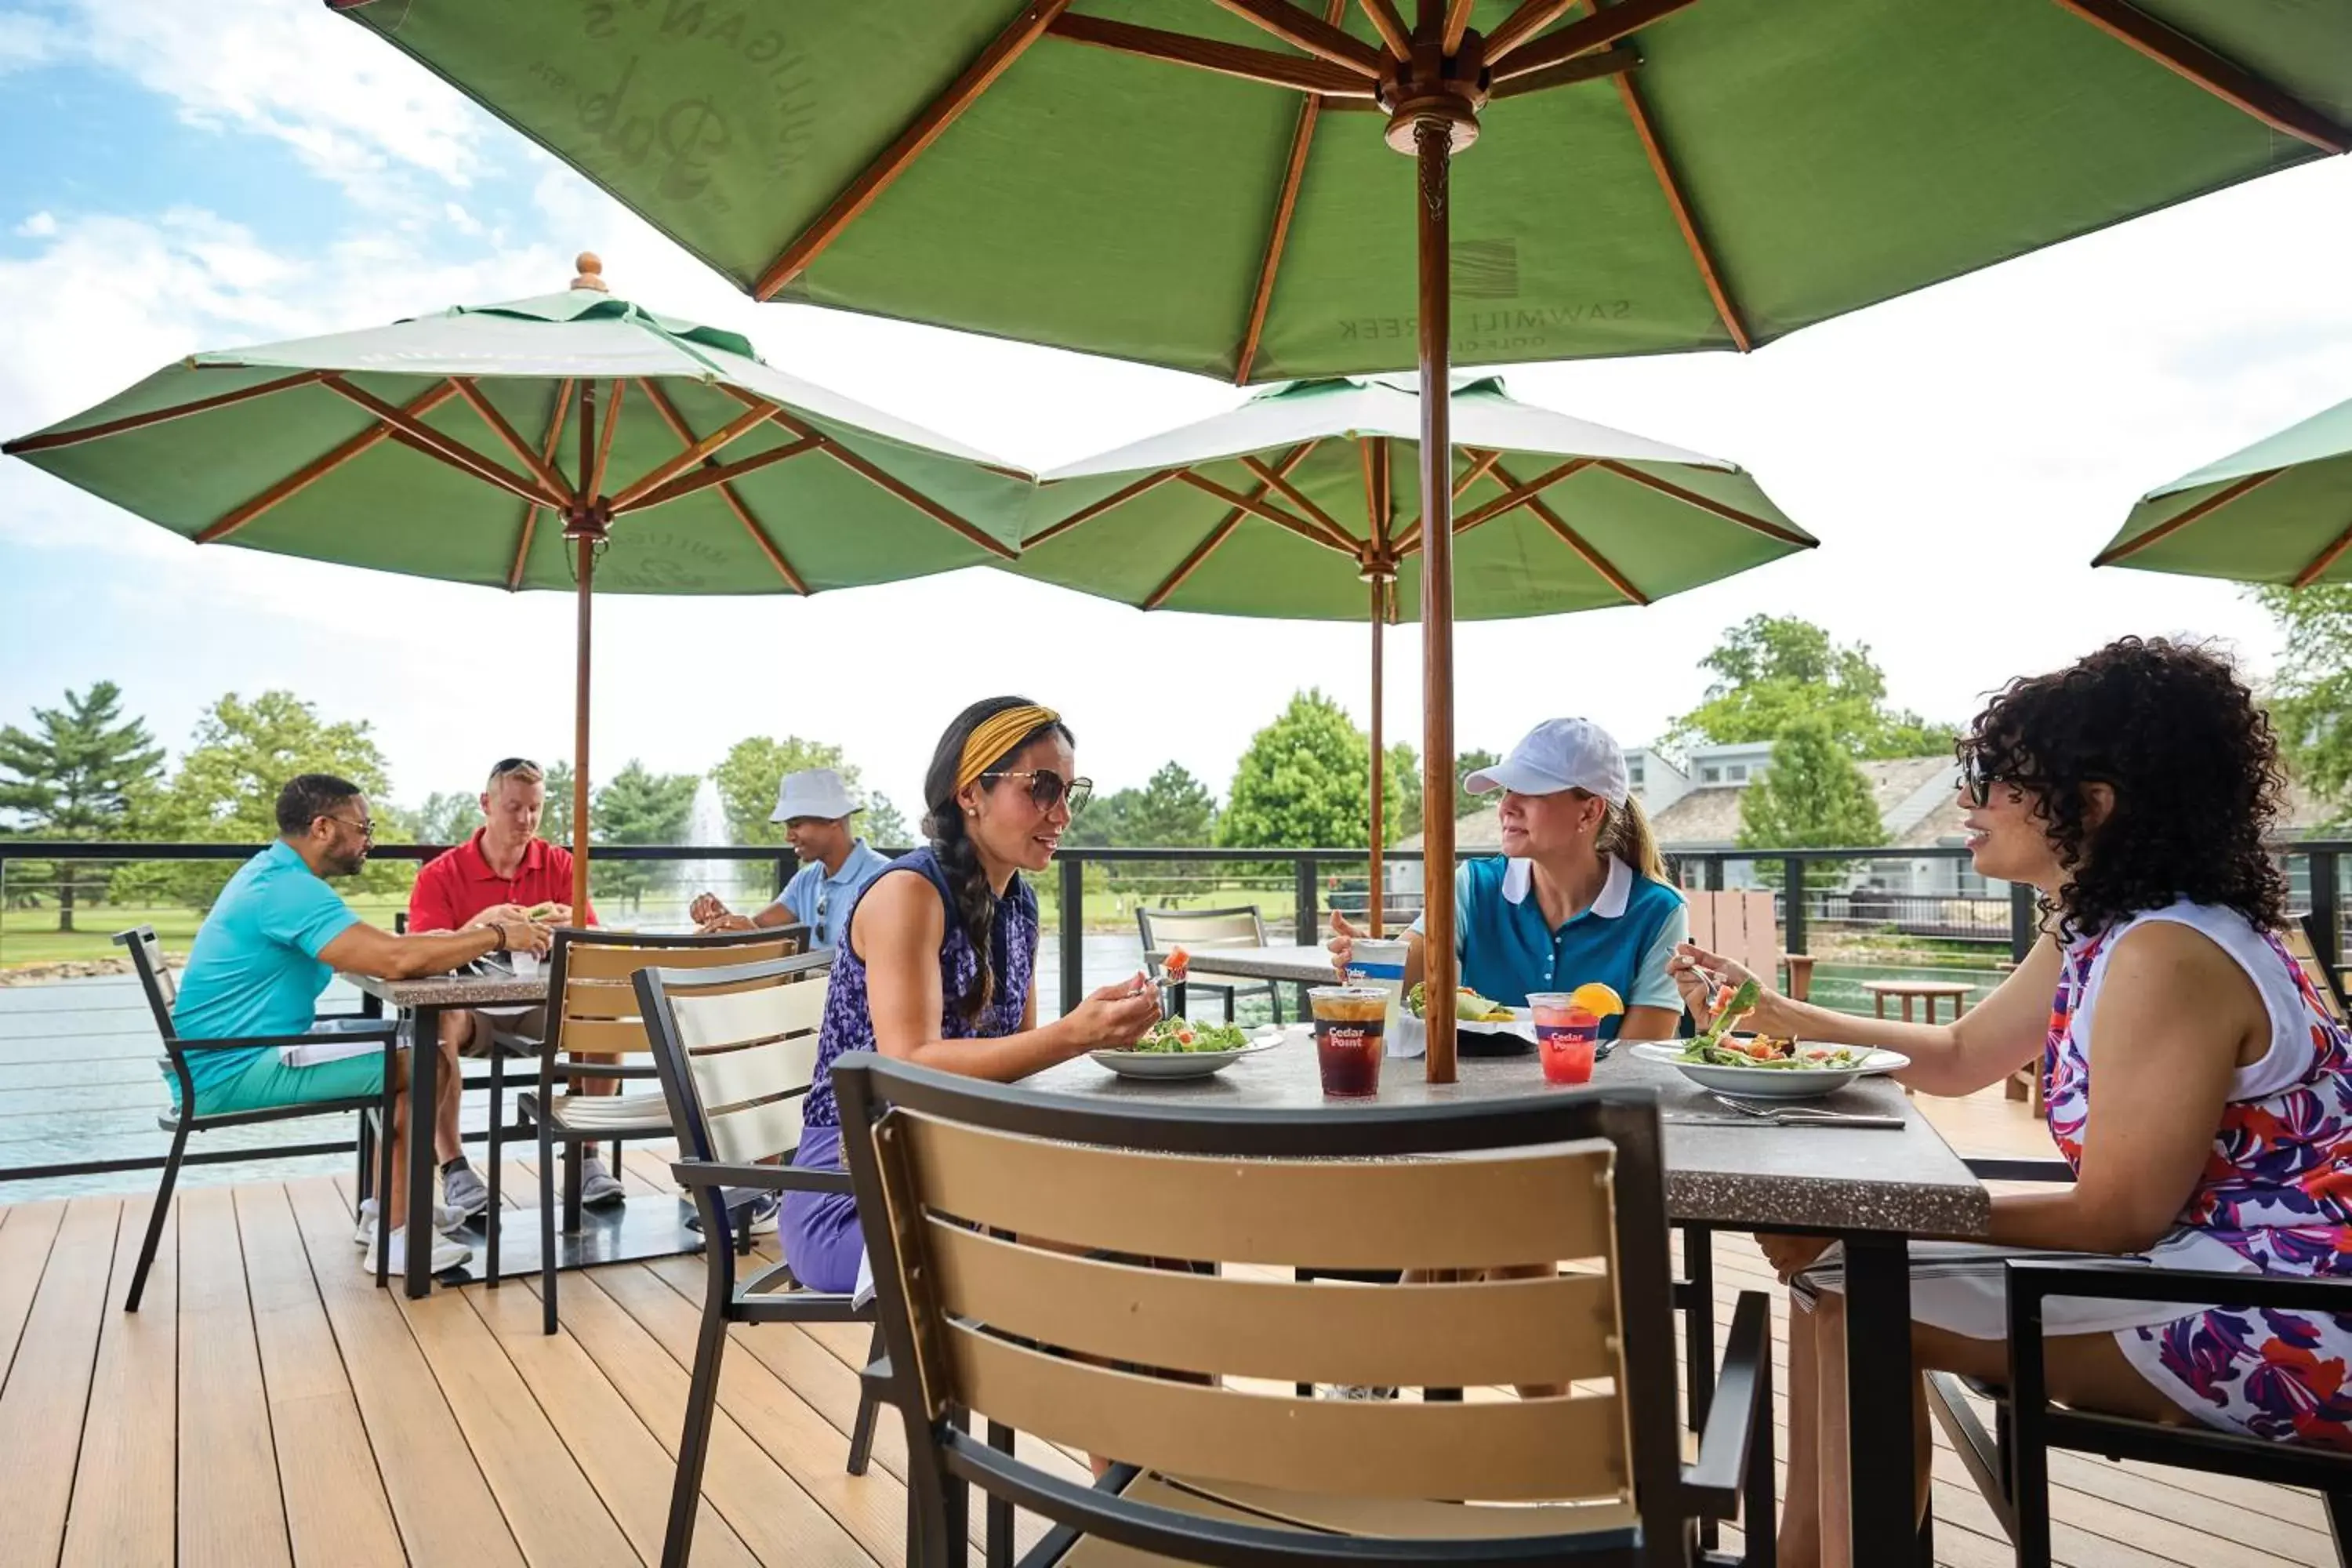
x: 1813, y: 796
x: 446, y: 817
x: 753, y: 768
x: 1175, y: 810
x: 82, y: 772
x: 1469, y: 762
x: 638, y: 805
x: 1771, y: 672
x: 1304, y: 783
x: 239, y: 758
x: 885, y: 825
x: 555, y: 821
x: 1404, y: 817
x: 2310, y: 698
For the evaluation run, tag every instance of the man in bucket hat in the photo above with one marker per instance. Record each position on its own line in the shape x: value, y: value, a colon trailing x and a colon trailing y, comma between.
x: 816, y: 807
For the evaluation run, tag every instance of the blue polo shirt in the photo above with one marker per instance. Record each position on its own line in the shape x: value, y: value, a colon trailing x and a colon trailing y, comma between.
x: 1624, y: 940
x: 820, y: 901
x: 255, y: 968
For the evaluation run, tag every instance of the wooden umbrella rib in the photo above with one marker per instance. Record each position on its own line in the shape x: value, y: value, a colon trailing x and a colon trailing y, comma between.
x: 1458, y: 24
x: 1304, y: 30
x: 735, y: 504
x: 540, y: 466
x: 319, y: 467
x: 1481, y: 465
x: 1692, y: 498
x: 2225, y: 79
x: 596, y: 485
x: 25, y: 445
x: 1093, y: 510
x: 686, y: 485
x: 1663, y: 167
x: 425, y: 438
x: 2173, y: 525
x: 1518, y: 495
x: 1390, y: 25
x: 1225, y: 526
x: 1305, y: 75
x: 1521, y: 26
x: 1600, y: 564
x: 1585, y: 35
x: 548, y: 448
x: 1618, y: 60
x: 2324, y: 560
x: 1256, y: 507
x: 662, y: 473
x: 1294, y: 173
x: 1299, y: 498
x: 927, y: 127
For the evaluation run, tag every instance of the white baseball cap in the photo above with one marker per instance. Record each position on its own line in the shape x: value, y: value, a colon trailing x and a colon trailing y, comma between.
x: 1557, y: 754
x: 813, y: 792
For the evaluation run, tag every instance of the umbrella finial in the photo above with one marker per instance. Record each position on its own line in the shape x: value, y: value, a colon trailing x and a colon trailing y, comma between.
x: 591, y: 272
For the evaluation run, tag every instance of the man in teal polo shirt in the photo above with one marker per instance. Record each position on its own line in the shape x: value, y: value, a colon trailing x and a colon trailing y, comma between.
x: 272, y: 941
x: 1579, y: 893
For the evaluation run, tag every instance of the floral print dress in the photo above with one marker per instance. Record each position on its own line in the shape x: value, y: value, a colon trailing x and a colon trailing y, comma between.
x: 2276, y: 1197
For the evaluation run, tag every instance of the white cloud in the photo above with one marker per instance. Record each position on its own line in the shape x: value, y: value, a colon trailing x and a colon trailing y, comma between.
x: 40, y: 225
x: 26, y: 40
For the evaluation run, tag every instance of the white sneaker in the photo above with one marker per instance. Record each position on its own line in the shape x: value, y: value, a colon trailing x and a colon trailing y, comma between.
x: 445, y: 1220
x: 447, y: 1254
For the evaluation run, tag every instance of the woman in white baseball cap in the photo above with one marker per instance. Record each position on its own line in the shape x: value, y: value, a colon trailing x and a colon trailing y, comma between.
x: 1579, y: 893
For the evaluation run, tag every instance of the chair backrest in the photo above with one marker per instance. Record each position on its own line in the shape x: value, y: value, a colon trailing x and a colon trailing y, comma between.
x: 1738, y: 926
x: 1166, y: 928
x: 160, y: 984
x: 2301, y: 941
x: 1013, y: 1238
x: 736, y: 1050
x: 593, y: 1006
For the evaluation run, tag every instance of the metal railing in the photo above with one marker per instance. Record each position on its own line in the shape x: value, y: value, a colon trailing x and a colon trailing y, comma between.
x: 1864, y: 911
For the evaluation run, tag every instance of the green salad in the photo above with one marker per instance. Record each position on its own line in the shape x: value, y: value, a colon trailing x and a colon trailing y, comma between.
x: 1191, y: 1035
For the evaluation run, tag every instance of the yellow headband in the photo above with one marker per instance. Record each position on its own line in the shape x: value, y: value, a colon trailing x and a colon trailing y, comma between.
x: 995, y: 735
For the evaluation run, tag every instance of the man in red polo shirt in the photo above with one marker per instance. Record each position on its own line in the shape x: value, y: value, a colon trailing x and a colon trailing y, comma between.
x: 500, y: 874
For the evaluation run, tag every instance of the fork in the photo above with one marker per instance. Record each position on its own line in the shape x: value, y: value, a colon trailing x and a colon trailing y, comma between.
x: 1801, y: 1116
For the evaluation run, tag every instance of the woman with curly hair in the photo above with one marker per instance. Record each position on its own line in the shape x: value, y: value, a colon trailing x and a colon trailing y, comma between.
x: 2135, y: 790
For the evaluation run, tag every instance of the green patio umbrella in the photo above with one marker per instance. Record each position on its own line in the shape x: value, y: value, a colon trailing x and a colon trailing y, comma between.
x: 1206, y: 187
x: 2279, y: 511
x: 1287, y: 506
x: 454, y: 447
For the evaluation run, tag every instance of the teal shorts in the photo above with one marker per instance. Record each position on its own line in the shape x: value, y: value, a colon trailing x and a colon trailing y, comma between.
x: 268, y: 1082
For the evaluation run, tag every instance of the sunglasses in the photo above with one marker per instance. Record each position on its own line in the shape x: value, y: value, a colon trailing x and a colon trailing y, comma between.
x: 1049, y: 789
x: 515, y: 765
x: 366, y: 829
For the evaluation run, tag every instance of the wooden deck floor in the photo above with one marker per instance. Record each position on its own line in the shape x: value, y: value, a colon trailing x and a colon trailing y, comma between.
x: 269, y: 1406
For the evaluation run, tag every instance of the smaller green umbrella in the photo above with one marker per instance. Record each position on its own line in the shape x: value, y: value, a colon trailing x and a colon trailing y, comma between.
x: 1289, y: 506
x: 436, y: 445
x: 2279, y: 511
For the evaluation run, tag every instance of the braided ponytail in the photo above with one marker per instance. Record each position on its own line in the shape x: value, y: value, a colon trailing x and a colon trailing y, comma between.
x: 951, y: 844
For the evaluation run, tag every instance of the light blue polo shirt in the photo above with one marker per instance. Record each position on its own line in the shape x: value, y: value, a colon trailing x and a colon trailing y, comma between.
x: 1624, y: 940
x: 820, y: 901
x: 255, y: 968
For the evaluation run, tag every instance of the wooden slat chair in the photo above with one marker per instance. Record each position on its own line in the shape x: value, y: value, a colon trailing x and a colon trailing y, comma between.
x: 1007, y: 1230
x: 592, y: 1011
x: 375, y: 1172
x: 2302, y: 940
x: 736, y: 1048
x: 1739, y: 925
x: 2010, y: 1464
x: 1196, y: 931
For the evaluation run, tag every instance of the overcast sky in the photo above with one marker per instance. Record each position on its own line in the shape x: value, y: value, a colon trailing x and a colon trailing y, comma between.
x: 177, y: 177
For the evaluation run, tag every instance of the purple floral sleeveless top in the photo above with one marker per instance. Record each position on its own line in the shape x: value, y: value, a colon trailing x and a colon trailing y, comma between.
x: 848, y: 1023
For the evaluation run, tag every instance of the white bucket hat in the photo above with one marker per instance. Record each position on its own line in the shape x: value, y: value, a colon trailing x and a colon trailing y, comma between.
x: 813, y: 792
x: 1557, y: 754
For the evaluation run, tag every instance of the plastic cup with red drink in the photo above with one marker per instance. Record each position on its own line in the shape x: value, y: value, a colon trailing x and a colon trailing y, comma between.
x: 1351, y: 1022
x: 1567, y: 1036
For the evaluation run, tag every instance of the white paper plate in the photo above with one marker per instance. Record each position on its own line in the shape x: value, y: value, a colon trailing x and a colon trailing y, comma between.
x: 1770, y: 1083
x: 1178, y: 1064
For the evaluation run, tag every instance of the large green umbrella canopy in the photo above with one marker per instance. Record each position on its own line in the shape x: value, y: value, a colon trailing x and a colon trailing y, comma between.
x: 1289, y: 506
x: 454, y: 446
x: 2279, y: 511
x: 1208, y: 188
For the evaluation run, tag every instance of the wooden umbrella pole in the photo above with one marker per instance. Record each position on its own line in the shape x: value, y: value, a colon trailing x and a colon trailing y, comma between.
x: 1433, y: 148
x: 1379, y: 587
x: 584, y: 530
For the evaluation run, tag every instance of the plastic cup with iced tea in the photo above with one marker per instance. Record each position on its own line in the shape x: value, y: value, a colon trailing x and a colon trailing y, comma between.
x: 1567, y: 1036
x: 1349, y: 1023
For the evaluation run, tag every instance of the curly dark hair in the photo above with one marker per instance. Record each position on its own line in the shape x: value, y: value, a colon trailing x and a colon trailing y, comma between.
x: 2194, y: 765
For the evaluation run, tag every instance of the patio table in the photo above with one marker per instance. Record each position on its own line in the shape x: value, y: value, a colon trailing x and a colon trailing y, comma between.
x: 1870, y: 1189
x: 1292, y: 965
x: 642, y: 1227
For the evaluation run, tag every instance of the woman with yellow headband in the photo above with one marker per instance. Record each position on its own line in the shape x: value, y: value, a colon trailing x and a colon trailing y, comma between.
x: 939, y: 963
